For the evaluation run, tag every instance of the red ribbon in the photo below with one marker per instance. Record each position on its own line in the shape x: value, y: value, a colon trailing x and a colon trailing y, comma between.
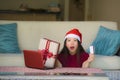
x: 46, y: 54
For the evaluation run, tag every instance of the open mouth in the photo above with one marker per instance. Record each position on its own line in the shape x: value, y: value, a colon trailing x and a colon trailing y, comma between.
x: 72, y: 47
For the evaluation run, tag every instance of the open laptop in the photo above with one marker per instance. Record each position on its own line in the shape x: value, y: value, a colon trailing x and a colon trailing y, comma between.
x: 33, y: 59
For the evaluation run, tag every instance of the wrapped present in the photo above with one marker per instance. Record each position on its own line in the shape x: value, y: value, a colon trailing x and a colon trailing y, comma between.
x: 49, y: 50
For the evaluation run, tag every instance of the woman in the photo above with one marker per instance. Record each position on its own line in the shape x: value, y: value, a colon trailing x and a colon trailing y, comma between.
x: 73, y: 54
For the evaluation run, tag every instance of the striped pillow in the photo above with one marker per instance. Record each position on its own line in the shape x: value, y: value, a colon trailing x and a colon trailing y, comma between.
x: 8, y: 38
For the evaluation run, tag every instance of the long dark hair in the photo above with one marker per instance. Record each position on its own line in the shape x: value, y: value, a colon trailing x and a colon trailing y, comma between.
x: 65, y: 50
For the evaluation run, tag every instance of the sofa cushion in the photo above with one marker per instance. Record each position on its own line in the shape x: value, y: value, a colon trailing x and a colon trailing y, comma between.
x: 8, y: 38
x: 12, y: 59
x: 106, y: 62
x: 107, y: 41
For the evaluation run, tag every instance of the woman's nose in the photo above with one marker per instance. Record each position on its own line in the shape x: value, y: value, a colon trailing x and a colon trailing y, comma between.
x: 72, y: 42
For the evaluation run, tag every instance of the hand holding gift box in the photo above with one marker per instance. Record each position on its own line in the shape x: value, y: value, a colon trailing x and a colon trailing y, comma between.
x: 49, y: 49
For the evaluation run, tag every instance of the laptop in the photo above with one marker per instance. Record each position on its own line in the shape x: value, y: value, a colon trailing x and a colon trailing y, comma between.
x: 33, y: 59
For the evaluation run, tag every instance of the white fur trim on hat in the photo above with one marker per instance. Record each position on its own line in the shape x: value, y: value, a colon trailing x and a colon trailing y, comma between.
x: 72, y: 36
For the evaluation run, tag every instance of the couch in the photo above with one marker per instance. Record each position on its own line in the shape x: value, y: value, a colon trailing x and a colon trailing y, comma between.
x: 30, y: 32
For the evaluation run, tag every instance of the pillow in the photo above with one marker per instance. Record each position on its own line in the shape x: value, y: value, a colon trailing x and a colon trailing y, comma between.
x: 8, y: 38
x: 107, y: 41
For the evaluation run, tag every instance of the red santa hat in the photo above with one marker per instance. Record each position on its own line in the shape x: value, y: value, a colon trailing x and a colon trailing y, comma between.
x: 74, y: 33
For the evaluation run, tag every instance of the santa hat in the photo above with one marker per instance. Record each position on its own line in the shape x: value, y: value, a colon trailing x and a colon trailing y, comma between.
x: 74, y: 33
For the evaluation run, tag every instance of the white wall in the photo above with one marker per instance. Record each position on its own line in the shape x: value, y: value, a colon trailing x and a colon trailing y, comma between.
x: 105, y: 10
x: 14, y: 4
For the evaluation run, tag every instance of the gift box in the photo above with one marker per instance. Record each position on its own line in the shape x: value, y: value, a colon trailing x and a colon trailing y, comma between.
x: 49, y: 50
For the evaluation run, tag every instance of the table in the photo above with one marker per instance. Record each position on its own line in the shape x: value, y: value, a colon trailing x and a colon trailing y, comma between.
x: 53, y: 77
x: 113, y: 74
x: 24, y: 73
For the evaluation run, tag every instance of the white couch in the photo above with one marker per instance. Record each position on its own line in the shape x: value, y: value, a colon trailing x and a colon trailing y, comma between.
x: 30, y: 32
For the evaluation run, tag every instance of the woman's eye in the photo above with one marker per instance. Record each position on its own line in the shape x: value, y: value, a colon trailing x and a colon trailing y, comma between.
x: 75, y: 39
x: 68, y: 40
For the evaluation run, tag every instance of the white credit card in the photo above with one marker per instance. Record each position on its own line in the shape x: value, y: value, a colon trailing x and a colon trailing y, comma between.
x: 91, y: 49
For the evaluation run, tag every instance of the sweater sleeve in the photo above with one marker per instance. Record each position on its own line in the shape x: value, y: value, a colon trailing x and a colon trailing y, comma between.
x: 84, y: 57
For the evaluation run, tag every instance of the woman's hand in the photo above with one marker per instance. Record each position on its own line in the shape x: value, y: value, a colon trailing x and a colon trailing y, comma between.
x: 86, y: 64
x: 91, y: 57
x: 58, y: 64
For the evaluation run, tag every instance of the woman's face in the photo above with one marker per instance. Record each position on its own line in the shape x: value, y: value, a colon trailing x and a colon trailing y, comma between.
x: 72, y: 45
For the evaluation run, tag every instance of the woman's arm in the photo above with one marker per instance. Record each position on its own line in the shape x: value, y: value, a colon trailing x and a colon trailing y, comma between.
x: 86, y: 64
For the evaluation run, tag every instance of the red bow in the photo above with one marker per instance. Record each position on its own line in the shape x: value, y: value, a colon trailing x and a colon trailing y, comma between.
x: 45, y: 53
